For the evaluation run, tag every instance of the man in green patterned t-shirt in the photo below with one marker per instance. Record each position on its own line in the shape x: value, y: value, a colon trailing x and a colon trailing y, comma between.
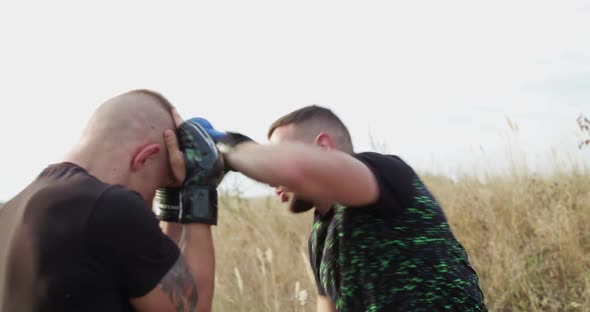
x: 379, y: 241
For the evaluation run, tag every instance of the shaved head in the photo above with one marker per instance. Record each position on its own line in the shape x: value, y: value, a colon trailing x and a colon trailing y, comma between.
x: 134, y: 116
x: 123, y: 142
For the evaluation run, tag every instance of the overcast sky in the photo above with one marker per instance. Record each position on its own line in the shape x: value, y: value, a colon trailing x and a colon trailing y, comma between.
x: 433, y: 81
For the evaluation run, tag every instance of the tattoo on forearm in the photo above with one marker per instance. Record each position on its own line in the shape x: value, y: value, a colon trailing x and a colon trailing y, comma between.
x: 180, y: 287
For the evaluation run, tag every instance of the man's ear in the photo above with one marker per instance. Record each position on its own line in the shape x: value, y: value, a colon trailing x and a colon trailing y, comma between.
x: 325, y: 141
x: 142, y: 155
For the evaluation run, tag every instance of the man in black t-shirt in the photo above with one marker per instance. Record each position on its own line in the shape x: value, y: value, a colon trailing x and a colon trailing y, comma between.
x: 83, y: 237
x: 379, y: 240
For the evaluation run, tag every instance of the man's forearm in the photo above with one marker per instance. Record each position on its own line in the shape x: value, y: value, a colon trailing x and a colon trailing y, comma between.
x: 199, y: 254
x: 314, y: 174
x: 268, y: 164
x: 173, y: 230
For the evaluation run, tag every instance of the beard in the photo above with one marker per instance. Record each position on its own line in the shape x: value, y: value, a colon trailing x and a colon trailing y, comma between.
x: 298, y: 205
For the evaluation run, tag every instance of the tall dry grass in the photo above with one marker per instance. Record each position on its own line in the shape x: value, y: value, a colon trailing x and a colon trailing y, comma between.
x: 527, y: 236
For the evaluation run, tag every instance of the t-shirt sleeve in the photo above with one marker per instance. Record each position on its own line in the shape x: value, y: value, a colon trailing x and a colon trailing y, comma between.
x: 394, y: 178
x: 123, y: 234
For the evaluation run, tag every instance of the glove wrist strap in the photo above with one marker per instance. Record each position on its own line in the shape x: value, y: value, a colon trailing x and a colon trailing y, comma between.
x: 199, y: 205
x: 167, y: 204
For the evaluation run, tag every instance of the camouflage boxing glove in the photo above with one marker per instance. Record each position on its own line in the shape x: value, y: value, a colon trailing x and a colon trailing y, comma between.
x: 196, y: 200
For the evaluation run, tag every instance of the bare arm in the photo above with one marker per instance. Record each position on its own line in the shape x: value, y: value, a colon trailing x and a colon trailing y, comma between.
x: 199, y: 254
x: 189, y: 284
x: 177, y: 292
x: 325, y: 304
x: 312, y: 173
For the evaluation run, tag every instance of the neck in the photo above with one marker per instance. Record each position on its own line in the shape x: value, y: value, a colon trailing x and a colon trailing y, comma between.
x: 106, y: 167
x: 323, y: 208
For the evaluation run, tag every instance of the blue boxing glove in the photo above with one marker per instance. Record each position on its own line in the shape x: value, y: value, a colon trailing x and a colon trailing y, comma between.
x: 225, y: 141
x: 216, y: 135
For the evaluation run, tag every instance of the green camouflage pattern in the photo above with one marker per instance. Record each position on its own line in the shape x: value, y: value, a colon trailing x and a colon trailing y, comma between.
x: 204, y: 172
x: 411, y: 262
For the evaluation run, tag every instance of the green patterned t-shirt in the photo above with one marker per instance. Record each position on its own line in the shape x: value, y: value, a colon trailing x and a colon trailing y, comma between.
x: 398, y: 254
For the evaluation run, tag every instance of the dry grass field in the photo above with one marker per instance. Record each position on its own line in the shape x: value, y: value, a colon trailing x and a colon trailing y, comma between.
x: 528, y: 237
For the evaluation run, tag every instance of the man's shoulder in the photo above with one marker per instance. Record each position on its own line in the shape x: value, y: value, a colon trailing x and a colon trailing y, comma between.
x: 380, y: 160
x: 115, y: 197
x: 116, y: 192
x: 395, y: 179
x: 84, y: 186
x: 68, y: 180
x: 56, y: 191
x: 119, y: 209
x: 376, y: 155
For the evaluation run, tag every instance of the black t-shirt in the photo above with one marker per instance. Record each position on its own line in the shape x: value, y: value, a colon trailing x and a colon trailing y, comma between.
x: 398, y: 254
x: 95, y: 245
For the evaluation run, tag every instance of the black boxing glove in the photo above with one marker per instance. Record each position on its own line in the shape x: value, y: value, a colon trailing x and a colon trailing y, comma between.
x: 196, y: 200
x: 229, y: 142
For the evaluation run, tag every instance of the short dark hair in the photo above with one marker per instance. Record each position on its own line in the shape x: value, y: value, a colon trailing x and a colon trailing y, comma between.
x: 312, y: 112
